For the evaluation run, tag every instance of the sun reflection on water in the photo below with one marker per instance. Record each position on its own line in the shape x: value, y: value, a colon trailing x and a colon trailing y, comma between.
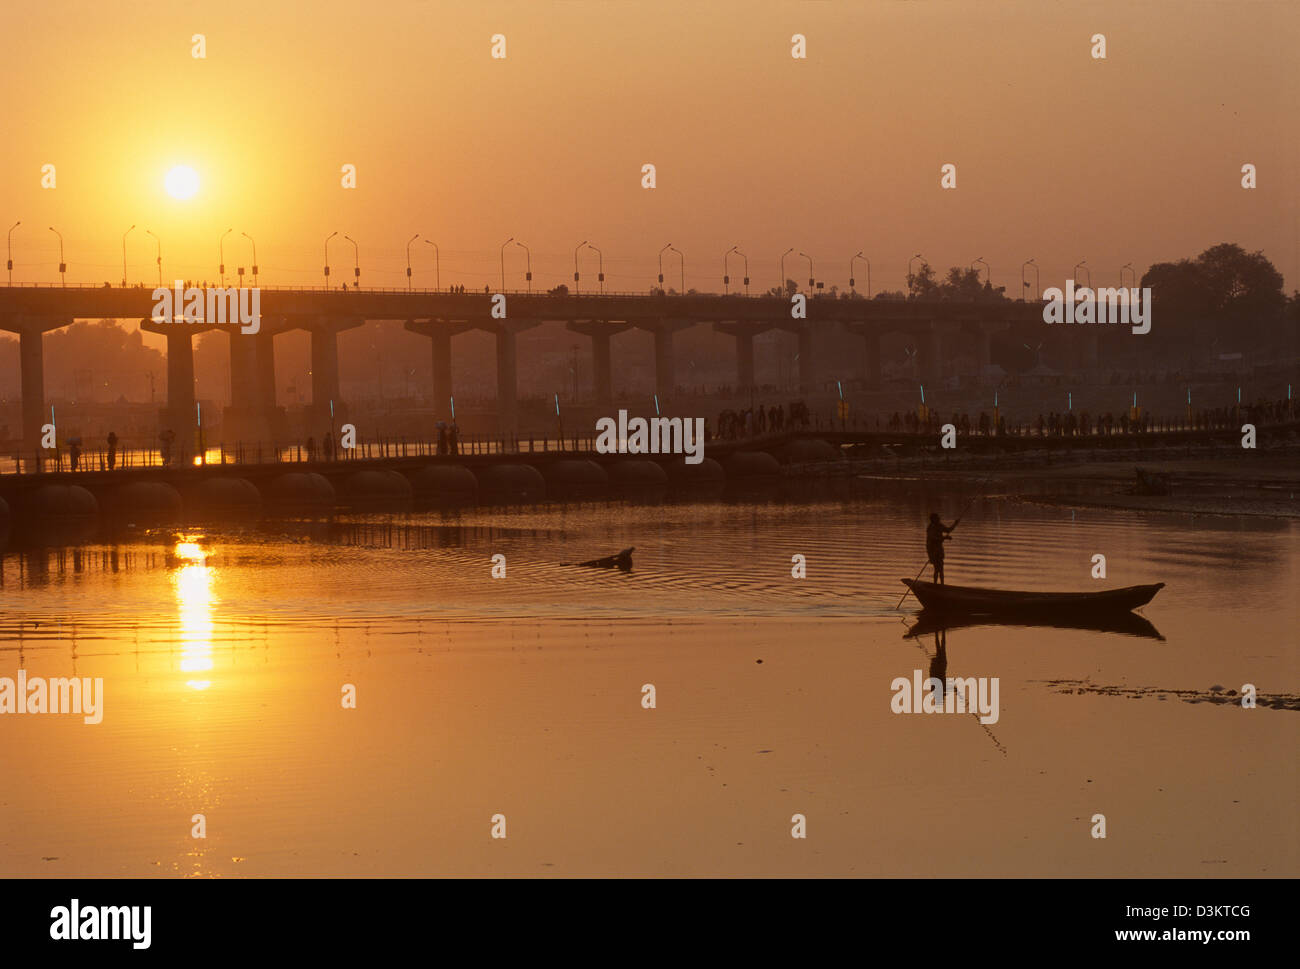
x: 192, y: 581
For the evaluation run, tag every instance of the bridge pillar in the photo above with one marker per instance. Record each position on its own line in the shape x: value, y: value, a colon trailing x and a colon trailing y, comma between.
x: 929, y: 353
x: 31, y: 357
x: 247, y: 419
x: 180, y: 416
x: 506, y: 332
x: 1084, y: 348
x: 808, y: 375
x: 440, y: 333
x: 325, y: 332
x: 665, y: 361
x: 744, y: 332
x: 601, y: 332
x: 31, y: 362
x: 871, y: 359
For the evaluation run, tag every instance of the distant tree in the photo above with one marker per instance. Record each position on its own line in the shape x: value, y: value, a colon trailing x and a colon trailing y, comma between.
x: 921, y: 284
x: 560, y: 290
x: 791, y: 287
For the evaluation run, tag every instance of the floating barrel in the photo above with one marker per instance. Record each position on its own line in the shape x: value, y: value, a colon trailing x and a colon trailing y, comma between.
x: 811, y: 451
x: 224, y: 494
x: 638, y: 474
x: 370, y: 486
x: 57, y: 500
x: 708, y: 471
x: 302, y: 489
x: 144, y: 501
x: 751, y: 464
x: 575, y: 477
x: 445, y: 482
x: 512, y: 482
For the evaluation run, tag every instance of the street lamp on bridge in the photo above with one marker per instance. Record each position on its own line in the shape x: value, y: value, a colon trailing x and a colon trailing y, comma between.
x: 783, y: 255
x: 356, y: 263
x: 726, y: 279
x: 1024, y: 283
x: 746, y: 270
x: 528, y: 274
x: 437, y: 267
x: 327, y: 257
x: 221, y: 250
x: 988, y: 272
x: 661, y: 263
x: 1083, y: 264
x: 683, y: 266
x: 503, y: 262
x: 600, y: 264
x: 124, y: 235
x: 575, y: 265
x: 408, y: 260
x: 10, y: 242
x: 250, y: 239
x: 910, y: 277
x: 1129, y: 267
x: 811, y: 275
x: 63, y: 266
x: 852, y: 281
x: 158, y: 260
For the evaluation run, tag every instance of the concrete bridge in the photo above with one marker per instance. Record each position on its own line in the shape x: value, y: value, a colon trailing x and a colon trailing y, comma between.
x: 936, y: 327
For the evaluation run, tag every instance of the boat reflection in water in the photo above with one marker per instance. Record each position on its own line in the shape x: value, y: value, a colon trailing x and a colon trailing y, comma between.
x: 1124, y: 623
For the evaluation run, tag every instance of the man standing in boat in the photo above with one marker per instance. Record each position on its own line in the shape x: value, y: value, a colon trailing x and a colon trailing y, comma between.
x: 935, y: 535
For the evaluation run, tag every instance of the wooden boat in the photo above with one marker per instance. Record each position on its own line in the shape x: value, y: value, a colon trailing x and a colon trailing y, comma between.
x: 622, y: 560
x: 967, y: 600
x: 928, y: 622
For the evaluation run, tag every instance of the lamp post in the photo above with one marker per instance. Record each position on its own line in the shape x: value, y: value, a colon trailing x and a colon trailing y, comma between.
x: 783, y: 255
x: 811, y: 275
x: 356, y: 263
x: 528, y: 274
x: 10, y: 242
x: 408, y: 260
x: 746, y: 259
x: 437, y: 268
x: 63, y: 266
x: 988, y: 272
x: 158, y: 260
x: 726, y: 279
x: 124, y: 235
x: 503, y: 262
x: 1083, y: 264
x: 250, y: 239
x: 327, y: 257
x: 683, y: 264
x: 1024, y: 283
x: 221, y: 254
x: 852, y: 281
x: 1129, y: 267
x: 661, y: 263
x: 575, y: 265
x: 600, y: 263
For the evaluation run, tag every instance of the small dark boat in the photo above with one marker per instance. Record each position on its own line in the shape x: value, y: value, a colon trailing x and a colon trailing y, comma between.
x: 623, y: 560
x: 1104, y: 621
x: 966, y: 600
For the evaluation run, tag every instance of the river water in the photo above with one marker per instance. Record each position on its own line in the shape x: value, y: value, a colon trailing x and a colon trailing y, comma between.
x: 517, y: 703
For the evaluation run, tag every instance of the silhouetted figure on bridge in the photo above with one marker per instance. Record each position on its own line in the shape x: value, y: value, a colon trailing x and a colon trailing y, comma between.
x: 74, y: 452
x: 442, y: 438
x: 165, y: 439
x: 311, y: 448
x: 329, y: 446
x: 453, y: 438
x: 112, y: 450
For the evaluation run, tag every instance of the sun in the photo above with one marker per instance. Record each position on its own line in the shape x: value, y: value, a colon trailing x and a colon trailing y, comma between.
x: 182, y: 182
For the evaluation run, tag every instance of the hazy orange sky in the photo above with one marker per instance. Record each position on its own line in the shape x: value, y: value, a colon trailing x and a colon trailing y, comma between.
x: 1059, y: 156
